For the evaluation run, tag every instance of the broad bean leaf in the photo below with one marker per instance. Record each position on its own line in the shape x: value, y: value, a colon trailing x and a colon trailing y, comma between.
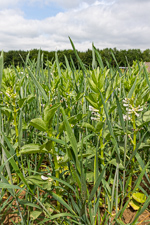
x: 39, y: 124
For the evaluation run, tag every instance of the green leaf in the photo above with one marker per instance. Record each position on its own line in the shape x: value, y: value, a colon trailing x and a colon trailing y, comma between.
x: 87, y: 125
x: 9, y: 186
x: 38, y: 180
x: 59, y: 199
x: 120, y: 114
x: 72, y: 139
x: 92, y: 98
x: 94, y: 63
x: 32, y: 148
x: 20, y: 129
x: 146, y: 75
x: 95, y: 187
x: 146, y: 116
x: 111, y: 129
x: 75, y: 176
x: 146, y: 204
x: 35, y: 214
x: 65, y: 183
x: 59, y: 141
x: 114, y: 162
x: 39, y: 124
x: 22, y: 101
x: 140, y: 177
x: 24, y: 202
x: 134, y: 153
x: 83, y: 186
x: 58, y: 216
x: 132, y: 89
x: 99, y: 126
x: 81, y: 63
x: 96, y: 170
x: 99, y: 58
x: 38, y: 62
x: 1, y: 68
x: 58, y: 65
x: 90, y: 177
x: 49, y: 112
x: 135, y: 205
x: 67, y: 64
x: 115, y: 59
x: 6, y: 111
x: 139, y: 197
x: 49, y: 208
x: 37, y: 84
x: 120, y: 222
x: 13, y: 162
x: 93, y: 86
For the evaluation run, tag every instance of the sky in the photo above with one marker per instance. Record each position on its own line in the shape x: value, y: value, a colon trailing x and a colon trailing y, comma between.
x: 48, y: 24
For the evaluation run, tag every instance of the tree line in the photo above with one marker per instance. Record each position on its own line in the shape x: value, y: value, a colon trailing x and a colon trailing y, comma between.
x: 123, y: 57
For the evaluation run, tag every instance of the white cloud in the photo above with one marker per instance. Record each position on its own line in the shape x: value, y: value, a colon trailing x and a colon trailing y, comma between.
x: 8, y: 3
x: 68, y: 4
x: 120, y: 24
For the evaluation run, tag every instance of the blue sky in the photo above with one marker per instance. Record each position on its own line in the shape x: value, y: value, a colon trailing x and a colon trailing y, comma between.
x: 46, y: 24
x: 40, y: 11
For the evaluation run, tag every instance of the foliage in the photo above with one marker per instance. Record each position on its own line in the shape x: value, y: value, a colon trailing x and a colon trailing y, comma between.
x: 74, y: 140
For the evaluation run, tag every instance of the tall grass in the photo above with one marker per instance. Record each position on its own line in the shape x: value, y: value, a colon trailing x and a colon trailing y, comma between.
x: 74, y: 142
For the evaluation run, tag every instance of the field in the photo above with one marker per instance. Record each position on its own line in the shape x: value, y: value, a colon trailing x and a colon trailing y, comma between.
x: 75, y: 143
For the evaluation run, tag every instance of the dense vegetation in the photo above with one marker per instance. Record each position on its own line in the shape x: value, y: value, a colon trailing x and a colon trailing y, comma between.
x: 75, y: 146
x: 123, y: 57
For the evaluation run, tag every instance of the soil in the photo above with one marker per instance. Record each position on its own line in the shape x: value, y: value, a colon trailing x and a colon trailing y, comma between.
x: 6, y: 218
x: 128, y: 217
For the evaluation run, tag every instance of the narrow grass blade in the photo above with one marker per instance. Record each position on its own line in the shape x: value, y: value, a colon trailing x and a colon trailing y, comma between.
x: 111, y: 129
x: 37, y: 84
x: 115, y: 59
x: 67, y: 64
x: 9, y: 186
x: 146, y: 75
x: 120, y: 114
x: 99, y: 59
x: 15, y: 166
x: 63, y: 182
x: 38, y: 63
x: 140, y: 161
x: 20, y: 129
x: 81, y: 63
x: 96, y: 166
x: 59, y: 215
x: 59, y: 141
x: 95, y: 187
x: 57, y: 62
x: 59, y: 199
x: 72, y: 139
x: 139, y: 179
x: 63, y: 215
x: 1, y: 68
x: 135, y: 151
x: 94, y: 63
x: 132, y: 89
x: 142, y: 209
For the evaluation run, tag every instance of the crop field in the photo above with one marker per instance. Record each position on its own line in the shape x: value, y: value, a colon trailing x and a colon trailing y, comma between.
x: 75, y: 143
